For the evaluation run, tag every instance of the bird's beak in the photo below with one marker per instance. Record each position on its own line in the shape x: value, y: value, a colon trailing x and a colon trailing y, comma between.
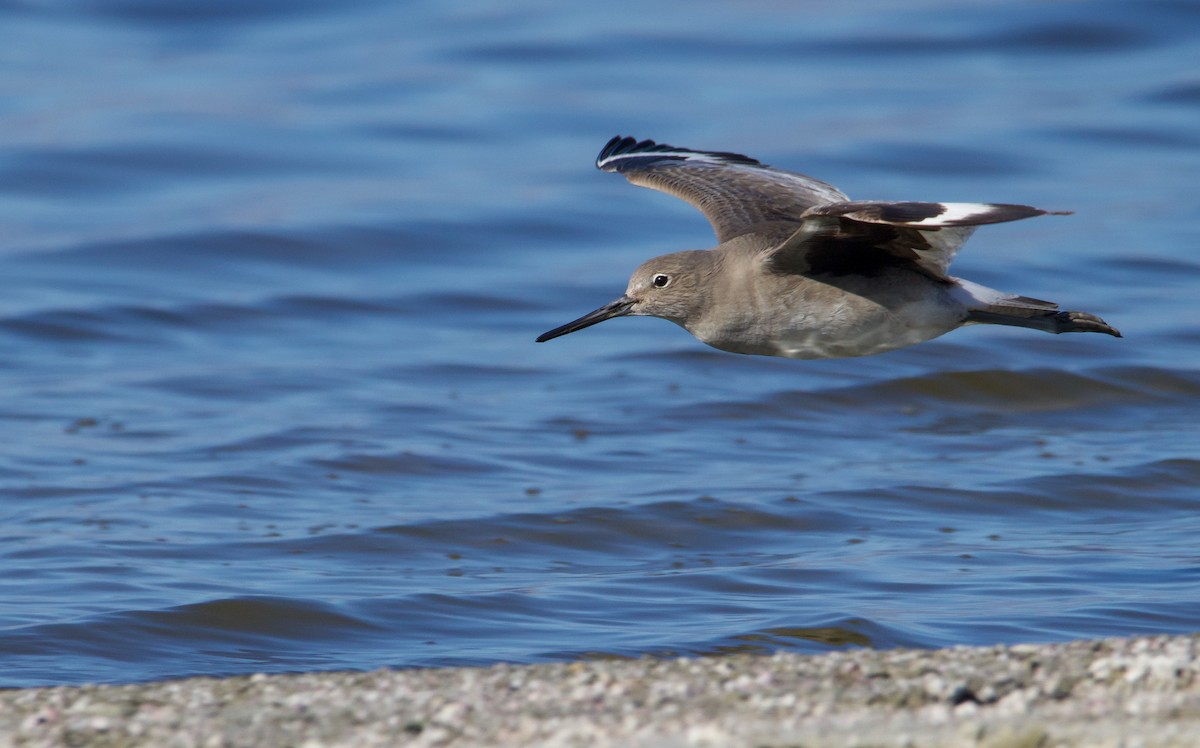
x: 618, y: 308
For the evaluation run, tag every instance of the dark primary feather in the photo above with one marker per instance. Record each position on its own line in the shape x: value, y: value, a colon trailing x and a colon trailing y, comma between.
x: 620, y: 146
x: 930, y: 214
x: 866, y: 237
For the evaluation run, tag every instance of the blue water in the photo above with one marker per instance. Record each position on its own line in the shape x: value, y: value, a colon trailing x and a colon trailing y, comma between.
x: 273, y: 272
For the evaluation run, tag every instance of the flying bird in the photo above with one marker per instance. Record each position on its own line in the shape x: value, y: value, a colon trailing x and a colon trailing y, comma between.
x: 802, y: 271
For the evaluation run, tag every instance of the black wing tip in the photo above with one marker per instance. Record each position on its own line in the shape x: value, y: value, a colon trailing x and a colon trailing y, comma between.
x: 624, y: 145
x: 1001, y: 212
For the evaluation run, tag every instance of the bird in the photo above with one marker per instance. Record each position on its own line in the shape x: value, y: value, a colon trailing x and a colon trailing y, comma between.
x: 802, y: 271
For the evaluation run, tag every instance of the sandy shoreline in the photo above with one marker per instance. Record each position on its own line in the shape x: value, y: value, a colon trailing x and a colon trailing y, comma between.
x: 1114, y: 692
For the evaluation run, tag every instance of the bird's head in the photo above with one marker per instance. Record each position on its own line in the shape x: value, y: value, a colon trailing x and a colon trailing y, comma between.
x: 671, y: 286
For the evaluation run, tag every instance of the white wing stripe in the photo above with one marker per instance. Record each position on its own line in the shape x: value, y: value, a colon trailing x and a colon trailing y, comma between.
x: 954, y: 212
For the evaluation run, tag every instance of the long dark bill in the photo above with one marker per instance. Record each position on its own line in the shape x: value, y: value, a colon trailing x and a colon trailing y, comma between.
x: 618, y: 308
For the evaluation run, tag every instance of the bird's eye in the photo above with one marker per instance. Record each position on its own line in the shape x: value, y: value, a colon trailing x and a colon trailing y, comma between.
x: 661, y: 280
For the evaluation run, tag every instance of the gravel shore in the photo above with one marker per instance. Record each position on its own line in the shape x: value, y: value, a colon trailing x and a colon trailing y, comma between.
x: 1113, y: 692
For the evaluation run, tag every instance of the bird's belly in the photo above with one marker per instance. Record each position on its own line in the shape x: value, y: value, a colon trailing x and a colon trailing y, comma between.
x: 859, y: 341
x: 842, y: 331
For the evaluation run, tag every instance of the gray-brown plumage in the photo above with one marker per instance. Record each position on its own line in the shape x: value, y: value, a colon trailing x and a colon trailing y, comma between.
x: 802, y: 271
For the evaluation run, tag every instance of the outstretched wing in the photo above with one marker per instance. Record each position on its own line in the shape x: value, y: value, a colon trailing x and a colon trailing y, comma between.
x: 736, y: 193
x: 863, y: 237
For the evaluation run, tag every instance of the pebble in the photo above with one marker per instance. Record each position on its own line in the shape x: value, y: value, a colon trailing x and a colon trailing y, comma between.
x: 1112, y: 693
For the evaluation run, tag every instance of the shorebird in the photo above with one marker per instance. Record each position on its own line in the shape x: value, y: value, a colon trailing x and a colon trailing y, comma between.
x: 802, y: 271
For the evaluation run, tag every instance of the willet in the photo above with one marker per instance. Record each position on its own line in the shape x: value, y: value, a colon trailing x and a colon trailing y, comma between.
x: 802, y: 271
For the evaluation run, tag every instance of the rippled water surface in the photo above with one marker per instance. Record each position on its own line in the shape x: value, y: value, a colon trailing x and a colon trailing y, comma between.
x: 273, y: 272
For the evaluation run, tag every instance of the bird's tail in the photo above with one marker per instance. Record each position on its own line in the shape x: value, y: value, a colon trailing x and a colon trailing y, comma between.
x: 989, y: 307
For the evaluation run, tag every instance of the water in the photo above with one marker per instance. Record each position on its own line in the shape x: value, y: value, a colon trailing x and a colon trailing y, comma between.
x: 273, y: 273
